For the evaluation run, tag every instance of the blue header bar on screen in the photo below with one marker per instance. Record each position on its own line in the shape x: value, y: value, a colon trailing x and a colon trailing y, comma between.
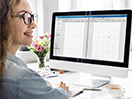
x: 91, y: 16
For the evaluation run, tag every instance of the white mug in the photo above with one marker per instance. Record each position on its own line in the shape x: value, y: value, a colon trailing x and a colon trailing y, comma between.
x: 114, y: 90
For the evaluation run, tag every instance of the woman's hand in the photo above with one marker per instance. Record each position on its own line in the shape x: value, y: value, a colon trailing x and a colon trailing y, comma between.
x: 63, y: 86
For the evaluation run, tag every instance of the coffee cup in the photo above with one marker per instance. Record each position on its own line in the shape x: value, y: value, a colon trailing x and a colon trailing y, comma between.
x: 114, y: 90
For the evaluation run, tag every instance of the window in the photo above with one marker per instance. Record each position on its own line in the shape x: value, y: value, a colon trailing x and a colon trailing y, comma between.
x: 66, y: 5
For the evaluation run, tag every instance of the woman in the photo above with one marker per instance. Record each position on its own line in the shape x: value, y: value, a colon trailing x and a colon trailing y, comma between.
x: 16, y: 80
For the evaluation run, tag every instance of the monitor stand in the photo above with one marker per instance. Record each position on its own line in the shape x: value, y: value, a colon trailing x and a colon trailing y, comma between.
x: 95, y: 81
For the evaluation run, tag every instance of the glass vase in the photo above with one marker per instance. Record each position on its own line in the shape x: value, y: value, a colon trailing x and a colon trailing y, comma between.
x: 43, y: 69
x: 41, y: 62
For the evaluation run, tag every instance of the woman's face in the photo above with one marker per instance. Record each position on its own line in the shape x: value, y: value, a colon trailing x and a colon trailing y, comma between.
x: 23, y: 32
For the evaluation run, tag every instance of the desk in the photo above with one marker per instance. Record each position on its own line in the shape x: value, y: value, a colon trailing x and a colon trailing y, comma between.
x: 70, y: 77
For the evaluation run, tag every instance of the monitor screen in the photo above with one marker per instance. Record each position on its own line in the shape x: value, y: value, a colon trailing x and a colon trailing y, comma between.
x: 95, y: 37
x: 89, y: 40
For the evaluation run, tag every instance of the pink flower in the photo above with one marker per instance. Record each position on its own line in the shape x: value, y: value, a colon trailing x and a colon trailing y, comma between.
x: 48, y: 34
x: 34, y: 45
x: 41, y: 37
x: 39, y: 48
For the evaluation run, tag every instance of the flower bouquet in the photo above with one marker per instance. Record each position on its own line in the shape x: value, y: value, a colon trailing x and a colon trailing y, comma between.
x: 41, y: 47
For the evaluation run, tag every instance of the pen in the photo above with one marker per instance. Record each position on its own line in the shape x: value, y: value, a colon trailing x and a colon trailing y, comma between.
x: 92, y: 89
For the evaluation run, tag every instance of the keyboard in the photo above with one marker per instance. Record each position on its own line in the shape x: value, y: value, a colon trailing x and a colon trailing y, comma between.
x: 74, y: 90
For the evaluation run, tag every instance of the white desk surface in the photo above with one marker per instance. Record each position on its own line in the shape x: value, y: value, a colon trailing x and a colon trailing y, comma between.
x: 69, y: 77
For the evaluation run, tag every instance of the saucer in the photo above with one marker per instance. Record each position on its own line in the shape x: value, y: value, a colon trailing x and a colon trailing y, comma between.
x: 104, y: 95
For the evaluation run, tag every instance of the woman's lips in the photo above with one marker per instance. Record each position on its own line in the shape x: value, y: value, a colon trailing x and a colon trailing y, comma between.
x: 29, y: 34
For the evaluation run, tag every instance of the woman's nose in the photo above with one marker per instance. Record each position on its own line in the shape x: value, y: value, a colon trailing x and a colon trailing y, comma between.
x: 32, y: 25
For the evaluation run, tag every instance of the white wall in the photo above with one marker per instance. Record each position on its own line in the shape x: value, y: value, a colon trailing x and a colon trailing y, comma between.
x: 129, y: 4
x: 49, y: 6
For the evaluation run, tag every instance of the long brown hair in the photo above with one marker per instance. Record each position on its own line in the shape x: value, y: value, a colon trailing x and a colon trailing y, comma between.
x: 6, y: 30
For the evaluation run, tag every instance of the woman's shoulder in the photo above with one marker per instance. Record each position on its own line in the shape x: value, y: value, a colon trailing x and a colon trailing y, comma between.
x: 13, y: 72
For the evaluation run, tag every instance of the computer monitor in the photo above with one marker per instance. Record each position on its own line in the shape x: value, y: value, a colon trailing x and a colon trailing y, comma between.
x: 95, y: 42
